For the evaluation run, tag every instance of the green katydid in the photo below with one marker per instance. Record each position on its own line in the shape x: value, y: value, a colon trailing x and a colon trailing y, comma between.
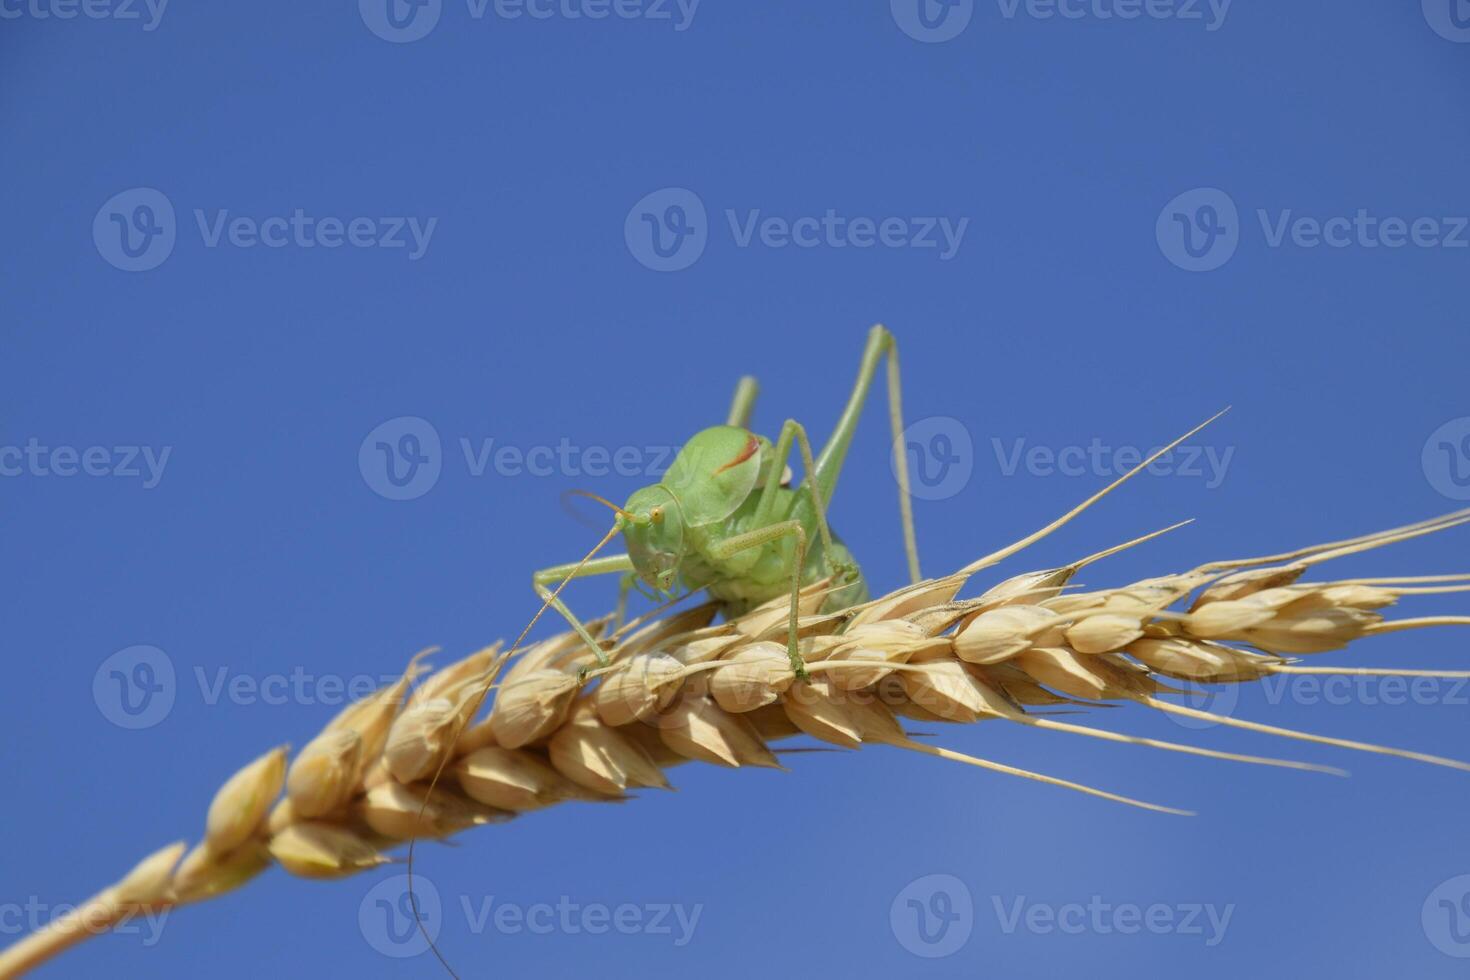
x: 723, y: 520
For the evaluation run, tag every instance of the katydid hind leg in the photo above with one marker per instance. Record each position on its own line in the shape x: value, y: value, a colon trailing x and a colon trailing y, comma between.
x: 743, y: 404
x: 829, y: 462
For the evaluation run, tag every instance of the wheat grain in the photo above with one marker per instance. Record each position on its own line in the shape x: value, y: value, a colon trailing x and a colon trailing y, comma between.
x: 680, y: 689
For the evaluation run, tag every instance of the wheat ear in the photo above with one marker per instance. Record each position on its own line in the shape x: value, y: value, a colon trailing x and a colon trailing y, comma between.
x: 681, y: 688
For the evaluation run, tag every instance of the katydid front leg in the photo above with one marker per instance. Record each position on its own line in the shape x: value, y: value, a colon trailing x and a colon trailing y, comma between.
x: 763, y: 536
x: 609, y: 565
x: 625, y: 585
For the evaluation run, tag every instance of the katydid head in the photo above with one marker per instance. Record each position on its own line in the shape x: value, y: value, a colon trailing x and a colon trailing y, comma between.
x: 653, y: 528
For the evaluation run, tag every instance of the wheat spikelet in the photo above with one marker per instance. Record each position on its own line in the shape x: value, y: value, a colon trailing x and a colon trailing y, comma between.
x: 683, y: 688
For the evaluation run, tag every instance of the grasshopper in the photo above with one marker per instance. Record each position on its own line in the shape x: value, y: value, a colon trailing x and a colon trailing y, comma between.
x: 724, y: 520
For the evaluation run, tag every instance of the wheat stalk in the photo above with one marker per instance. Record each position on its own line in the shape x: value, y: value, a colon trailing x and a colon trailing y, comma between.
x: 414, y: 760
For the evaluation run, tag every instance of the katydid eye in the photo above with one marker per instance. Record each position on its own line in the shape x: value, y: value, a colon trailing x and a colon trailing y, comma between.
x: 656, y: 515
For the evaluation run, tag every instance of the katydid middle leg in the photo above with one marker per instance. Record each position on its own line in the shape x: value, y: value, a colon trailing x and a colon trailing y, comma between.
x: 793, y: 432
x: 760, y: 537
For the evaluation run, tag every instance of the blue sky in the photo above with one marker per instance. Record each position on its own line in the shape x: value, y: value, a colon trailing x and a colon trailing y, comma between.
x: 530, y: 248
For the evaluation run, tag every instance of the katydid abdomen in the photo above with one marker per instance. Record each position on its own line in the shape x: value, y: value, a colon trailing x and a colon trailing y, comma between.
x: 751, y: 577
